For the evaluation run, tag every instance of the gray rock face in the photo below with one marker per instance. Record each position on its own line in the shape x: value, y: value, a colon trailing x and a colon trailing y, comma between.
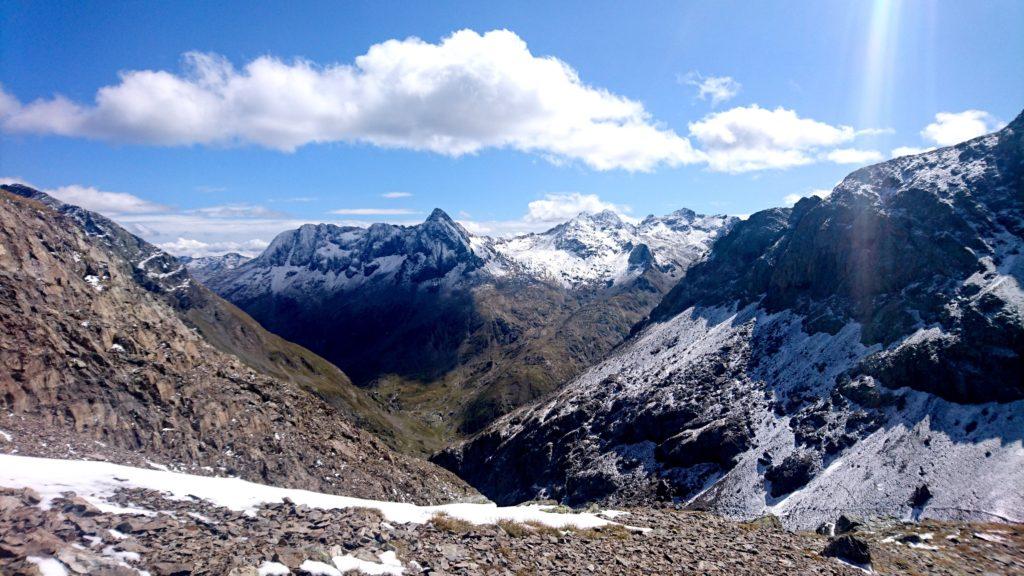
x: 859, y: 346
x: 897, y: 247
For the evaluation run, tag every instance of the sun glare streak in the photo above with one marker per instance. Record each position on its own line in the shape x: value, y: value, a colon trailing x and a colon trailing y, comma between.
x: 879, y: 61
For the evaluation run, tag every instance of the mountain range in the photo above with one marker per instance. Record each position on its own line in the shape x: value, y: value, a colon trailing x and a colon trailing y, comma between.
x: 451, y: 330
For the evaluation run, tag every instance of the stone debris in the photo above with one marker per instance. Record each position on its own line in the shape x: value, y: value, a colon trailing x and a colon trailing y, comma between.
x: 192, y: 536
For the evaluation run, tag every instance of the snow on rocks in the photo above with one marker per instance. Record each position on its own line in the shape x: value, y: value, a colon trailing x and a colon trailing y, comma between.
x: 388, y: 565
x: 597, y: 247
x: 269, y: 568
x: 97, y: 481
x: 94, y: 281
x: 48, y: 566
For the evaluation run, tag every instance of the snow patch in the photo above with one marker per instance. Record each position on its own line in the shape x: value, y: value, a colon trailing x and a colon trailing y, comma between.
x: 98, y: 481
x: 48, y: 566
x: 94, y: 281
x: 269, y: 568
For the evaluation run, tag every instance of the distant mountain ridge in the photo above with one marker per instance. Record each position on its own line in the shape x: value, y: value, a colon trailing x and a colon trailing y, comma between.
x: 604, y: 247
x: 454, y: 328
x: 204, y: 267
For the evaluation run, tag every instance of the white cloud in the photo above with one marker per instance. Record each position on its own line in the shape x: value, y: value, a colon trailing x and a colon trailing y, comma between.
x: 952, y: 128
x: 791, y: 199
x: 91, y: 198
x: 8, y: 104
x: 544, y: 214
x: 373, y: 211
x: 718, y: 88
x: 467, y: 93
x: 236, y: 211
x: 853, y: 156
x: 391, y: 195
x: 196, y: 248
x: 909, y: 151
x: 875, y: 131
x: 751, y: 138
x: 561, y: 207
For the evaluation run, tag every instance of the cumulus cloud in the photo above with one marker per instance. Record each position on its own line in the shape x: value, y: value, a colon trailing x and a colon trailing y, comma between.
x: 718, y: 89
x: 237, y: 211
x: 752, y: 138
x: 244, y: 228
x: 197, y: 249
x: 393, y: 195
x: 544, y: 214
x: 952, y: 128
x: 91, y: 198
x: 909, y: 151
x: 560, y: 207
x: 853, y: 156
x: 466, y: 93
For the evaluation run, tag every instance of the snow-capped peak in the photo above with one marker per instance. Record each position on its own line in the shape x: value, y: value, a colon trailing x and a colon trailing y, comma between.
x: 596, y: 248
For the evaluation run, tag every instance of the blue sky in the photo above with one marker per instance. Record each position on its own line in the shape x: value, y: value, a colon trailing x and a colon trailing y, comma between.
x: 210, y: 126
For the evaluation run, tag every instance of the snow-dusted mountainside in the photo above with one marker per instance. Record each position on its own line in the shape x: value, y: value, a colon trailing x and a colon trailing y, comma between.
x: 454, y: 329
x: 203, y: 267
x: 861, y: 353
x: 602, y: 247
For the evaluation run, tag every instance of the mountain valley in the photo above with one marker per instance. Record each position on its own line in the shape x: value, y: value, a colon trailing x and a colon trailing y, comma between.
x: 452, y: 330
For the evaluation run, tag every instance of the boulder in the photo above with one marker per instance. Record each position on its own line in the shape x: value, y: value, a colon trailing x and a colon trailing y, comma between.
x: 849, y: 548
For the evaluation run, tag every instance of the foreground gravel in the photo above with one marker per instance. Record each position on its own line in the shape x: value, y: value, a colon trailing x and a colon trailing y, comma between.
x: 194, y: 537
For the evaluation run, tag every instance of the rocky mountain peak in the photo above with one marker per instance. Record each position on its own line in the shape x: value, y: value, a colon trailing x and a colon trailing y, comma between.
x: 681, y: 217
x: 441, y: 227
x: 439, y: 215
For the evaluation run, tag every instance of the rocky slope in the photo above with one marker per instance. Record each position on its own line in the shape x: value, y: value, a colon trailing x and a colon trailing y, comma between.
x: 112, y: 351
x: 857, y: 353
x: 451, y: 330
